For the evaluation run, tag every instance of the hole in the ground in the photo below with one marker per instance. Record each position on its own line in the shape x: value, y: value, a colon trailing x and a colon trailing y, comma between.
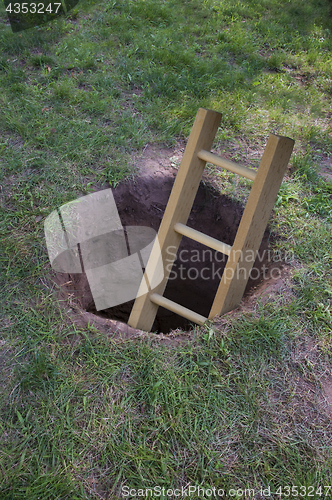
x: 197, y: 270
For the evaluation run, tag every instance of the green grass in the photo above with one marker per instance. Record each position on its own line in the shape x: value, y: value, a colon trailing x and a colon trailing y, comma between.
x: 240, y: 405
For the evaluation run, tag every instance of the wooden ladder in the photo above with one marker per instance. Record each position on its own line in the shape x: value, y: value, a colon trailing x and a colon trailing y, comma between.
x: 242, y: 254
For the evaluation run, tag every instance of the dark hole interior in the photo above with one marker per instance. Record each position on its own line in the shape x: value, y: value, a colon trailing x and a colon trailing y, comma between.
x: 197, y: 270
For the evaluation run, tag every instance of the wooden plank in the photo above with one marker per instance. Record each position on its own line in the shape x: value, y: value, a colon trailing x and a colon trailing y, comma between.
x: 178, y: 209
x: 228, y: 165
x: 253, y: 224
x: 203, y: 238
x: 177, y: 308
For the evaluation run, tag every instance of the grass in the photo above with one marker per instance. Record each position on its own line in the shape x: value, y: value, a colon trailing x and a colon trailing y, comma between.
x: 241, y: 405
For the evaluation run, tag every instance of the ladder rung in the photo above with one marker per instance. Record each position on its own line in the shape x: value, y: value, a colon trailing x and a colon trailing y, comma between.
x: 176, y: 308
x: 202, y: 238
x: 228, y: 165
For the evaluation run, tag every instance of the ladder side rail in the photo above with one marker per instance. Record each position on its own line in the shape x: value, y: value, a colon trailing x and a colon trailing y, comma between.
x: 177, y: 210
x: 253, y: 224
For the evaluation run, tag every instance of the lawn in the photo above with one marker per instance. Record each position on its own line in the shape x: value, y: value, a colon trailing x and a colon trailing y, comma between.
x: 246, y: 401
